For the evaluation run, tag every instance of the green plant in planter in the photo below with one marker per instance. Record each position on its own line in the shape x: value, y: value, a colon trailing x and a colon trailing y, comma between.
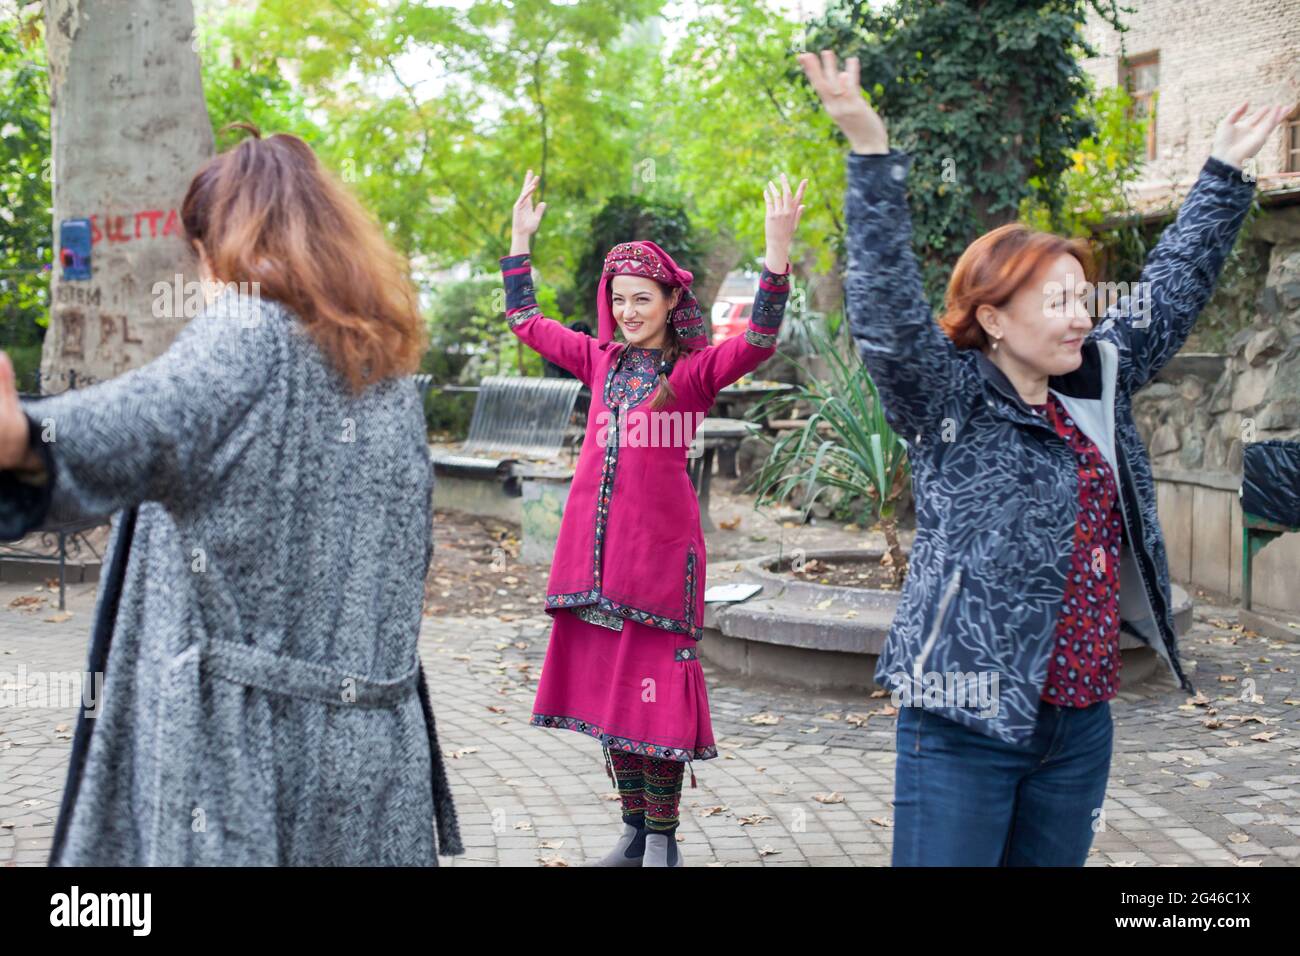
x: 845, y: 449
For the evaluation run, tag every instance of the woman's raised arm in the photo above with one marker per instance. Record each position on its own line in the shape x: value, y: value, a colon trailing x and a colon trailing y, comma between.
x: 1179, y: 275
x: 913, y: 364
x: 150, y: 434
x: 720, y: 365
x: 552, y: 341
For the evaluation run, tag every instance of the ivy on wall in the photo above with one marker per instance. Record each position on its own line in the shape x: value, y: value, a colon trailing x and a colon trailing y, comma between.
x: 984, y: 95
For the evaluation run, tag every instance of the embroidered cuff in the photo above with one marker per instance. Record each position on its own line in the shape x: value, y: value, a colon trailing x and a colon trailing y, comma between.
x: 769, y: 309
x: 517, y: 274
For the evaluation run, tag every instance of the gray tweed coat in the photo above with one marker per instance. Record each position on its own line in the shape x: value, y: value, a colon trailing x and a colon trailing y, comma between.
x: 263, y: 702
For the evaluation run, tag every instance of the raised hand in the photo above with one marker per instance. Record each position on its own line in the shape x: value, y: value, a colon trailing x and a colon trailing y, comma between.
x: 783, y: 214
x: 1239, y: 137
x: 14, y: 447
x: 842, y: 96
x: 526, y: 218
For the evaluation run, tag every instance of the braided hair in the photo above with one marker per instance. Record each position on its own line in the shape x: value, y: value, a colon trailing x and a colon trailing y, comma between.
x: 664, y: 394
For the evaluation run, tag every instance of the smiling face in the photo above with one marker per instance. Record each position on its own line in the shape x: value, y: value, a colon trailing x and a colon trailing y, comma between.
x: 641, y: 310
x: 1041, y: 328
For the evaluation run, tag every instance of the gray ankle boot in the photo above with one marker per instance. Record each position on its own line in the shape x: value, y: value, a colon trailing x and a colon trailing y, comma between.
x: 629, y: 849
x: 661, y: 850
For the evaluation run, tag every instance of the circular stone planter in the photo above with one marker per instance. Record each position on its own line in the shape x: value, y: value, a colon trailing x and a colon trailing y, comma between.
x: 822, y: 637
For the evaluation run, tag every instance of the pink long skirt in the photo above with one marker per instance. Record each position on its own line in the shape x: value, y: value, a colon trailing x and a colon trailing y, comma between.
x: 640, y: 689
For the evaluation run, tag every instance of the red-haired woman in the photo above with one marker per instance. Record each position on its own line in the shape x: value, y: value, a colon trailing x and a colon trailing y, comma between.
x: 1037, y: 536
x: 626, y: 589
x: 263, y: 702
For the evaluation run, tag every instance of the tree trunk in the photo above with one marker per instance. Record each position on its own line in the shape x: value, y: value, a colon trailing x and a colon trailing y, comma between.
x: 128, y: 129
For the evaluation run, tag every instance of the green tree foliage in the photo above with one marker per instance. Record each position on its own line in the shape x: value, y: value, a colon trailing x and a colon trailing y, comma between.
x: 736, y: 112
x: 984, y: 95
x: 629, y: 218
x: 25, y: 191
x: 433, y: 112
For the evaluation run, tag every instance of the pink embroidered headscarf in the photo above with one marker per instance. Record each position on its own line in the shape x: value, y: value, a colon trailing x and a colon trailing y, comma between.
x: 644, y: 258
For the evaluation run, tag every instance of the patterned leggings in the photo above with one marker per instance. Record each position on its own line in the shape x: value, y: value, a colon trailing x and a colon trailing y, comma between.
x: 650, y: 789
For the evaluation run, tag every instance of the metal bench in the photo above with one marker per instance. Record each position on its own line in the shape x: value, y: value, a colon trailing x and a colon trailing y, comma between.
x: 56, y: 543
x: 723, y: 437
x: 514, y: 418
x: 423, y: 382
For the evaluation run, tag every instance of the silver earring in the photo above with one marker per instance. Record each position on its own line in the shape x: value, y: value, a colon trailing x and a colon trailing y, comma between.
x: 995, y: 345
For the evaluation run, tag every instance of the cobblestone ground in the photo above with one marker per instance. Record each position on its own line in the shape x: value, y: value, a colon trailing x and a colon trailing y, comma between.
x: 813, y: 788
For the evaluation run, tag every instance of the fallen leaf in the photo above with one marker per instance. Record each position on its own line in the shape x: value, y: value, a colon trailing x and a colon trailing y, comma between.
x: 832, y: 797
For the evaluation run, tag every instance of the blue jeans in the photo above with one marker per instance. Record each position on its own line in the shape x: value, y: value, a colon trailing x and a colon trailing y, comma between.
x: 964, y: 799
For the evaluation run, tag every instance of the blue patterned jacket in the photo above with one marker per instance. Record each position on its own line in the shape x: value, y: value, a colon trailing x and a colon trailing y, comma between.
x: 995, y: 487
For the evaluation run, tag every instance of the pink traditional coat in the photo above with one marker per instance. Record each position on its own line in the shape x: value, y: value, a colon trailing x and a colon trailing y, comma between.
x: 630, y: 542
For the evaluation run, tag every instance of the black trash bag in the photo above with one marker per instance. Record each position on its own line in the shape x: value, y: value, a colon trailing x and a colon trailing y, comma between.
x: 1270, y: 483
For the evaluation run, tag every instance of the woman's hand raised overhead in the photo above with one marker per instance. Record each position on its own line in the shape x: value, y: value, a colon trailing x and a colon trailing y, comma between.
x: 841, y: 94
x: 527, y: 219
x: 1239, y: 137
x: 783, y: 213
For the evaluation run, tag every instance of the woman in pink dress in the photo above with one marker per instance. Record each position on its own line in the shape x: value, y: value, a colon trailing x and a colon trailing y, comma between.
x: 626, y: 589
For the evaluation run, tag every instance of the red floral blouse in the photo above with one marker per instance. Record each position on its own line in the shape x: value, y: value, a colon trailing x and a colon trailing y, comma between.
x: 1084, y: 666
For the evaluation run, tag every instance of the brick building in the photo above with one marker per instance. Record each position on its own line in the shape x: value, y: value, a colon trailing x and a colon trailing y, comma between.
x: 1196, y: 59
x: 1192, y: 61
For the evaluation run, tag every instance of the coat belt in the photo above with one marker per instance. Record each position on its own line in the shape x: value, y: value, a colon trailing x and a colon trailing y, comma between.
x: 295, y: 677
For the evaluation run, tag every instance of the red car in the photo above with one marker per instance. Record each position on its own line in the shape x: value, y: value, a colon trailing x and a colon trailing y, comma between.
x: 730, y: 317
